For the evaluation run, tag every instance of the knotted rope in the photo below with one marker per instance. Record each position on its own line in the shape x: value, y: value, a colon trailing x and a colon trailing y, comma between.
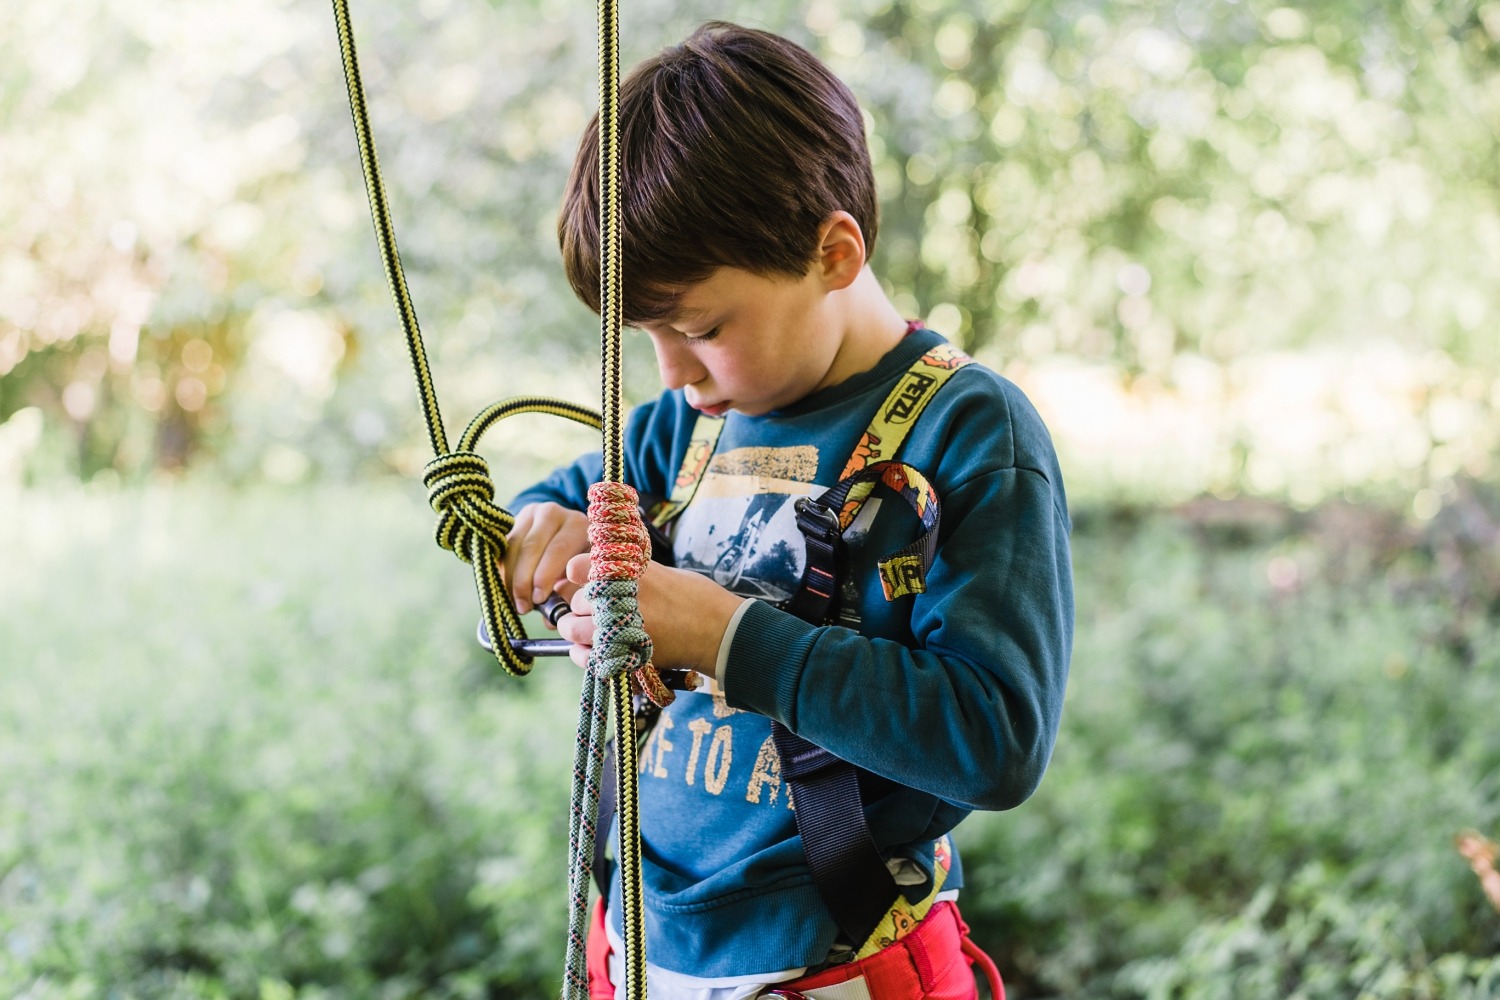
x: 458, y: 482
x: 474, y: 529
x: 619, y: 551
x: 470, y: 526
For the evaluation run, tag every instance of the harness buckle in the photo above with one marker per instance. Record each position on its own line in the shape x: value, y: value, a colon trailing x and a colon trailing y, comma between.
x: 817, y: 521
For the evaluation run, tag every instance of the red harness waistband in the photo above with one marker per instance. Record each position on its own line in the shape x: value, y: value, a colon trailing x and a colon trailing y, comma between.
x: 933, y: 962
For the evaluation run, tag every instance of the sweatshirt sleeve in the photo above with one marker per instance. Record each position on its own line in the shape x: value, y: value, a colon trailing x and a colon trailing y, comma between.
x: 969, y: 709
x: 652, y: 432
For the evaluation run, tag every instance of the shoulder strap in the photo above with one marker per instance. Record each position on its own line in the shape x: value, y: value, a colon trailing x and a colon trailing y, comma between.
x: 841, y: 853
x: 898, y: 414
x: 852, y: 878
x: 824, y: 518
x: 694, y: 463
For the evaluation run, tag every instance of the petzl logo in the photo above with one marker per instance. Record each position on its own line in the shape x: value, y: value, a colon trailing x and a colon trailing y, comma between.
x: 913, y: 389
x: 901, y: 576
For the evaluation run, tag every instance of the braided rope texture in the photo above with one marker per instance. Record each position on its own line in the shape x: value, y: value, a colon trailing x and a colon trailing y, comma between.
x: 472, y: 527
x: 385, y: 233
x: 619, y: 551
x: 610, y: 240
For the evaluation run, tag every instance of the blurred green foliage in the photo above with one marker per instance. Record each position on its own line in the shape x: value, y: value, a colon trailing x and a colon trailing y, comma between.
x: 1171, y: 192
x: 236, y: 767
x: 230, y: 766
x: 1227, y: 246
x: 1258, y: 244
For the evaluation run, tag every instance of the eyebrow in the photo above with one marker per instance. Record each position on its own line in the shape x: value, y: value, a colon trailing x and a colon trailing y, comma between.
x: 684, y: 316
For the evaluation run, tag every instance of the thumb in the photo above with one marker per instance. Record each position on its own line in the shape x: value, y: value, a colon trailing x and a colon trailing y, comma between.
x: 578, y: 569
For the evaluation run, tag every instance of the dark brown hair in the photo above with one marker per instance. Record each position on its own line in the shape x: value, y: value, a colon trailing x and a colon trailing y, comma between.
x: 735, y: 147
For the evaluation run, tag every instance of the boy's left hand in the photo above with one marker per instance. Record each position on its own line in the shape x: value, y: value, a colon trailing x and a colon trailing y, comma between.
x: 685, y: 614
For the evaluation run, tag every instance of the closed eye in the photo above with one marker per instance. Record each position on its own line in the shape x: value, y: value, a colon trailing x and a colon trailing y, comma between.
x: 699, y: 338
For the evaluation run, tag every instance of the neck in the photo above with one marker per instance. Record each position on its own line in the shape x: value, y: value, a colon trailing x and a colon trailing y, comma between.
x: 871, y: 327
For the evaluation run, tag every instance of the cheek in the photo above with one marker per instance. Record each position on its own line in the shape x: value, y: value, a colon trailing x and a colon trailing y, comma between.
x: 731, y: 371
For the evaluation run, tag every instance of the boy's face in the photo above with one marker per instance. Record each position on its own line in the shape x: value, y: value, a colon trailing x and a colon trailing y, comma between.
x: 740, y: 341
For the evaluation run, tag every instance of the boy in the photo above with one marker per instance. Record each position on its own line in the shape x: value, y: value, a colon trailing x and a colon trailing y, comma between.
x: 750, y: 215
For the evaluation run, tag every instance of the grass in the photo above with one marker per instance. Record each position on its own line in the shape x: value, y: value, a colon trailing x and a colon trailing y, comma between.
x: 250, y: 750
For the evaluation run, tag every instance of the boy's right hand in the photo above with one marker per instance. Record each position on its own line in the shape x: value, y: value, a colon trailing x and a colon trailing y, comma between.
x: 544, y: 538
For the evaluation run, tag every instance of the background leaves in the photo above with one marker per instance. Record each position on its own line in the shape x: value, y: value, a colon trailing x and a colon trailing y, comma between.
x: 1243, y: 257
x: 1226, y: 246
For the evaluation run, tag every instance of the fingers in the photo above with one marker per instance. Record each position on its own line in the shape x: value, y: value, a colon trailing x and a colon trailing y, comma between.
x: 523, y: 549
x: 578, y: 628
x: 578, y: 570
x: 551, y: 567
x: 576, y: 575
x: 685, y: 613
x: 543, y: 539
x: 581, y: 605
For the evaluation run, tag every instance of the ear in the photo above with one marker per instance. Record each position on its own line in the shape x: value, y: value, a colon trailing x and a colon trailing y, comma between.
x: 841, y: 251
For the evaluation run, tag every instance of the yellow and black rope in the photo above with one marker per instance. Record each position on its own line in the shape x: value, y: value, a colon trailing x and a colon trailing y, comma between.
x: 611, y: 254
x: 461, y: 491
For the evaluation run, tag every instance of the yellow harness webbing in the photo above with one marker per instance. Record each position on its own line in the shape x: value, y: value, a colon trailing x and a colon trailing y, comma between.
x: 694, y: 464
x: 898, y: 414
x: 893, y: 420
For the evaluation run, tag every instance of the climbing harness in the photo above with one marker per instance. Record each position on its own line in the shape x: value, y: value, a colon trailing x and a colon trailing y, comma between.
x: 472, y: 527
x: 933, y: 959
x: 852, y: 878
x: 897, y: 944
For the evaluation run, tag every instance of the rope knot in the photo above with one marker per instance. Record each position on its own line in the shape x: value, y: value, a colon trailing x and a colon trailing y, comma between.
x: 620, y: 549
x: 461, y: 492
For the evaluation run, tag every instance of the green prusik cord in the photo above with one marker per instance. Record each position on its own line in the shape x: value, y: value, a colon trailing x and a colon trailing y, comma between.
x: 472, y: 527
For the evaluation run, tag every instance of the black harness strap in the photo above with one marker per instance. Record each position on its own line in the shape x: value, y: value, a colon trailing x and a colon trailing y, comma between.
x: 846, y: 866
x: 824, y: 540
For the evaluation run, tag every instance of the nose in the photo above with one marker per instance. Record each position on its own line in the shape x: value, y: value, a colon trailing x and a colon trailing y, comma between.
x: 676, y: 361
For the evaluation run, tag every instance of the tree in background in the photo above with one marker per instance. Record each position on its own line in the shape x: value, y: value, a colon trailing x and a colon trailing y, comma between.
x: 1170, y: 193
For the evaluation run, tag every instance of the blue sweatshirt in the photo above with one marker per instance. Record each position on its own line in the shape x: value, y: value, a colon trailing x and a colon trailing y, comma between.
x: 954, y: 695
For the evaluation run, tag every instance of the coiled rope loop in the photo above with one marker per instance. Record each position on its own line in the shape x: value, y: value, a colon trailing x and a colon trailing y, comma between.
x: 474, y: 529
x: 461, y: 492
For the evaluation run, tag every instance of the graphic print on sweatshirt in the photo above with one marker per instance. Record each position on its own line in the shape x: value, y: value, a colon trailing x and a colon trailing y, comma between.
x: 741, y: 528
x: 707, y: 766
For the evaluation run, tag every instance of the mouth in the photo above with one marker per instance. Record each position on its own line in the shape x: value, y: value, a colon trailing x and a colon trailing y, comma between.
x: 714, y: 410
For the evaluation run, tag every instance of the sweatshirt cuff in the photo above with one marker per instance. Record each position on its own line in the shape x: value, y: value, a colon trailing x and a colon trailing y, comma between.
x: 721, y: 663
x: 763, y: 667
